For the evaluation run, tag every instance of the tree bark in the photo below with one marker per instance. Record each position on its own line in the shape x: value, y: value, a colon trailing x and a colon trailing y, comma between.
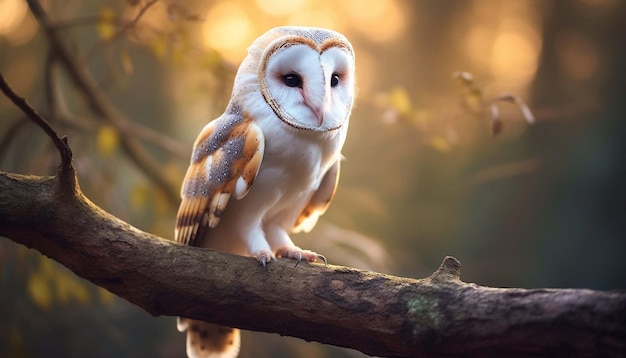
x: 377, y: 314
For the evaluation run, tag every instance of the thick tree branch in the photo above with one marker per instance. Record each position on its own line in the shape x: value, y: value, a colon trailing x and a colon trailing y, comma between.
x: 377, y: 314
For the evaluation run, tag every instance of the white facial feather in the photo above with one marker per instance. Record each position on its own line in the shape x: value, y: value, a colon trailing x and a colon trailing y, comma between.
x: 270, y: 164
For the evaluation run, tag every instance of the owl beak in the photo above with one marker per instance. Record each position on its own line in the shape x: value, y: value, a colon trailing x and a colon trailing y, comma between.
x: 318, y: 112
x: 319, y: 115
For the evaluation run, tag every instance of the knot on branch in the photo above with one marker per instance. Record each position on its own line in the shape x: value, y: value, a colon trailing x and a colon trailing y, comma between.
x: 66, y: 153
x: 66, y: 173
x: 448, y: 271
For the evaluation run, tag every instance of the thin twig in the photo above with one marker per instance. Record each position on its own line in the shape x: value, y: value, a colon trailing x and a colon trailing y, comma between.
x: 121, y: 32
x: 22, y: 104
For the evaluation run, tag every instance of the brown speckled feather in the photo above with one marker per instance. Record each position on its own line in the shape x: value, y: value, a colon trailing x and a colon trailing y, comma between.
x: 225, y: 160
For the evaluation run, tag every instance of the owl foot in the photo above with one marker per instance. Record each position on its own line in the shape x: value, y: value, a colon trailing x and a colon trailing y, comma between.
x: 296, y: 253
x: 323, y: 258
x: 319, y: 257
x: 264, y: 257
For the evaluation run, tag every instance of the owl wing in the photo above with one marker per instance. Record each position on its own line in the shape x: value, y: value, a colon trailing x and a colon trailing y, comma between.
x: 320, y: 200
x: 225, y: 161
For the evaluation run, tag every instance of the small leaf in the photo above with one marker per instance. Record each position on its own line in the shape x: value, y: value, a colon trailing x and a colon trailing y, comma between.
x: 106, y: 24
x: 440, y: 143
x: 465, y: 78
x: 399, y: 100
x: 528, y: 114
x: 127, y: 62
x: 158, y: 45
x: 107, y: 141
x: 40, y: 290
x: 139, y: 196
x: 496, y: 128
x: 506, y: 97
x: 474, y: 100
x: 496, y: 123
x: 63, y: 289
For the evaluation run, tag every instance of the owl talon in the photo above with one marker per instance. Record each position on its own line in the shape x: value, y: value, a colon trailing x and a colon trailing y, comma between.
x: 296, y: 253
x: 298, y: 259
x: 264, y: 258
x: 323, y: 258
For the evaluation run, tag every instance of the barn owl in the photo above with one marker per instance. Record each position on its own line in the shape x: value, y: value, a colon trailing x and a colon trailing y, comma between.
x: 269, y: 165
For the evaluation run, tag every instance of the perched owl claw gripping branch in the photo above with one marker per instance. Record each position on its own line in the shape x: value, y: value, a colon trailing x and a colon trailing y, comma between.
x: 269, y: 165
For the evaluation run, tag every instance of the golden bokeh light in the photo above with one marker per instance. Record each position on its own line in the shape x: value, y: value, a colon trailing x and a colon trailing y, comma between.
x: 477, y: 42
x: 281, y: 7
x: 24, y: 32
x: 380, y: 20
x: 228, y: 29
x: 515, y: 52
x: 366, y: 10
x: 315, y: 18
x: 504, y: 40
x: 17, y: 25
x: 12, y: 13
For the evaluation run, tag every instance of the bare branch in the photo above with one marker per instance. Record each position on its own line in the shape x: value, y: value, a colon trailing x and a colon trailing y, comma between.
x: 66, y: 170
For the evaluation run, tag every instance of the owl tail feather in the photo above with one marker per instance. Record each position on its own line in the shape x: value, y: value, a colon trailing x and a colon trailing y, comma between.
x: 207, y: 340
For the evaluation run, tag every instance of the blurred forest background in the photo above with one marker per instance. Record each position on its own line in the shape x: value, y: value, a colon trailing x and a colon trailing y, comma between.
x: 540, y: 205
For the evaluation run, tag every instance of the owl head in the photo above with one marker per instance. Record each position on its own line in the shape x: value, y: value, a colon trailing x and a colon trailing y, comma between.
x: 304, y: 76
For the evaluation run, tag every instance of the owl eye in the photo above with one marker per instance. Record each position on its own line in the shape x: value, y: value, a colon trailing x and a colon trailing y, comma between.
x: 334, y: 80
x: 292, y: 80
